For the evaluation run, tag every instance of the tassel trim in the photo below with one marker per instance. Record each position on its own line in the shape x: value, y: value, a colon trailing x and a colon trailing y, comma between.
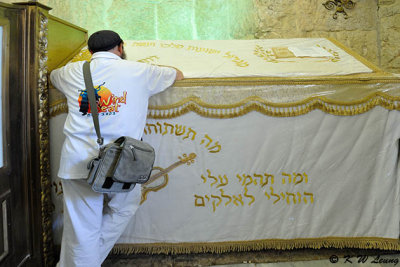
x: 240, y: 246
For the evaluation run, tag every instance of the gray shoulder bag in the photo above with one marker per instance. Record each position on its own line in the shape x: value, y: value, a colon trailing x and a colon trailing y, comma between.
x: 121, y: 164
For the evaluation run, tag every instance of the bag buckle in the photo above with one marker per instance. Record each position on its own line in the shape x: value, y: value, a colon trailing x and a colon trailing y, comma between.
x: 100, y: 141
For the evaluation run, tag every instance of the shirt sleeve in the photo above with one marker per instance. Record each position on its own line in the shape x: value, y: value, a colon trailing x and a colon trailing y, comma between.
x: 65, y: 75
x: 160, y: 78
x: 55, y: 78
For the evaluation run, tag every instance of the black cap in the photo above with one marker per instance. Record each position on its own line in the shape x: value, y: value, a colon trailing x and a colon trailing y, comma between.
x: 103, y: 41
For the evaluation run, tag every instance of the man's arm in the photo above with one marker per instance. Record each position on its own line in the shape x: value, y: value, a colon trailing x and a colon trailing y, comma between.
x: 179, y: 74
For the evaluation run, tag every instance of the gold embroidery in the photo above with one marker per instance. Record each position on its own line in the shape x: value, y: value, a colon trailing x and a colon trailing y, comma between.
x: 180, y: 130
x: 249, y: 183
x: 275, y: 53
x: 282, y: 52
x: 151, y: 186
x: 149, y: 60
x: 145, y: 44
x: 335, y: 54
x: 267, y: 55
x: 83, y: 55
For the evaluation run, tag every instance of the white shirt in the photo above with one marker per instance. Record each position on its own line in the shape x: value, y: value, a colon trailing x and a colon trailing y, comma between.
x: 124, y: 88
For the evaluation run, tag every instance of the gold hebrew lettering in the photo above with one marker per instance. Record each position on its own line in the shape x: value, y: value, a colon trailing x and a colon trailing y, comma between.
x: 258, y: 176
x: 268, y: 196
x: 219, y: 201
x: 166, y: 128
x: 160, y: 126
x: 305, y: 177
x: 212, y: 177
x: 267, y: 176
x: 216, y: 148
x: 144, y: 44
x: 299, y: 195
x: 295, y: 178
x: 204, y: 179
x: 245, y: 179
x: 149, y: 125
x: 249, y: 196
x: 288, y: 198
x: 207, y: 197
x: 283, y: 195
x: 242, y: 63
x: 208, y: 138
x: 149, y: 59
x: 236, y: 199
x: 240, y: 178
x: 188, y: 134
x: 165, y: 45
x: 178, y: 129
x: 274, y: 195
x: 225, y: 196
x: 311, y: 197
x: 196, y: 203
x: 223, y: 179
x: 289, y: 178
x: 177, y: 46
x: 228, y: 55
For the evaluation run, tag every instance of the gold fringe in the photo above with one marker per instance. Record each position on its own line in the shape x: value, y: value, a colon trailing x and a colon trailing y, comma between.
x: 58, y: 108
x: 254, y: 103
x: 279, y: 244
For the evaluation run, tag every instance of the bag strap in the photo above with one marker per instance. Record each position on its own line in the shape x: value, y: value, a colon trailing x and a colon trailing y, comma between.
x: 92, y: 100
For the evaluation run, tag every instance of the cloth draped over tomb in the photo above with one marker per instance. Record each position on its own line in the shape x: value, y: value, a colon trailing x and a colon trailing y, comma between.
x: 283, y: 143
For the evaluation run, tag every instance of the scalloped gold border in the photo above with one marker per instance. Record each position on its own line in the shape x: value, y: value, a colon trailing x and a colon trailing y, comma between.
x: 255, y: 103
x: 281, y: 244
x: 194, y: 104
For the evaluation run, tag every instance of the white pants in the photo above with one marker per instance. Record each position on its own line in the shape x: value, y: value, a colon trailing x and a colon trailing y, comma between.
x: 93, y: 222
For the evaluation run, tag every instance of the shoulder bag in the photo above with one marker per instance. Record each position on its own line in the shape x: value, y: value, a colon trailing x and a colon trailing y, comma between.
x: 120, y: 164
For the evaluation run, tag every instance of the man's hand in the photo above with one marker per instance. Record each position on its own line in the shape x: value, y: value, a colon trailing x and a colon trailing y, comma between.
x: 179, y: 75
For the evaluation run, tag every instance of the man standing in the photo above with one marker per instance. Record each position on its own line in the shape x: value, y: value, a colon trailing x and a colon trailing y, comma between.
x: 122, y: 91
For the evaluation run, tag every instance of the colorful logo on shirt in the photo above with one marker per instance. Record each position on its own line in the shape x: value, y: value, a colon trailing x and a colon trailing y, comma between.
x: 107, y: 102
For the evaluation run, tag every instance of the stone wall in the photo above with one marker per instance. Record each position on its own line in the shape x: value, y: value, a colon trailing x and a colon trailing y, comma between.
x: 160, y: 19
x: 372, y: 28
x: 389, y: 34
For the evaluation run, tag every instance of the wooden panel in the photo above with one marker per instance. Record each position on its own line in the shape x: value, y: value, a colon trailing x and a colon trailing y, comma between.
x: 64, y: 42
x: 4, y: 222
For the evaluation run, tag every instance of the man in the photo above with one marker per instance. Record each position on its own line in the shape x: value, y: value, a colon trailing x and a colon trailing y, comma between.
x: 122, y: 91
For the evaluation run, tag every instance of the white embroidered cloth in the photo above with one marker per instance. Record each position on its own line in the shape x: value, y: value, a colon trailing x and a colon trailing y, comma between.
x: 259, y: 178
x: 299, y: 57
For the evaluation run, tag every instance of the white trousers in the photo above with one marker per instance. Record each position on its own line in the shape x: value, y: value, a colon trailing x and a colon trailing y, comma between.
x: 93, y: 222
